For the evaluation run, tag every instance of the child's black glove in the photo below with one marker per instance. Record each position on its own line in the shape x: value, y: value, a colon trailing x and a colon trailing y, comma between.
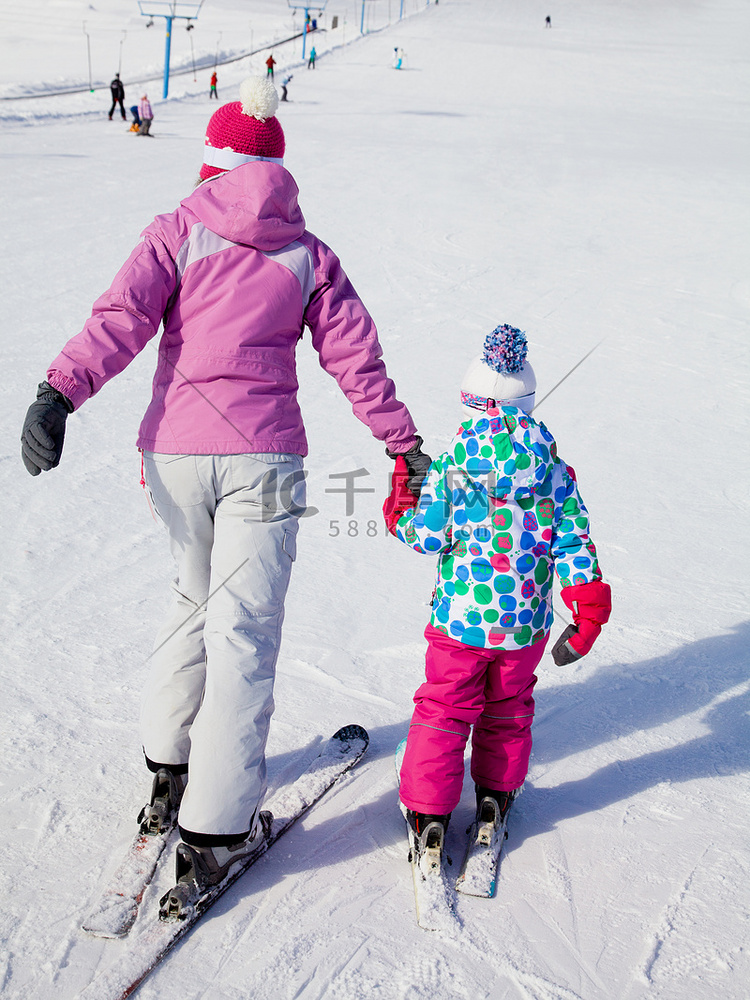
x: 44, y: 430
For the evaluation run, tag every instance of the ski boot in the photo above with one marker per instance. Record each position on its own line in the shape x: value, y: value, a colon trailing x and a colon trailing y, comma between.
x: 427, y: 841
x: 198, y: 870
x: 492, y: 814
x: 160, y: 814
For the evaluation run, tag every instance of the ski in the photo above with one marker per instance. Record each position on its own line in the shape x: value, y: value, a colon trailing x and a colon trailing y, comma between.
x: 147, y: 949
x: 114, y: 912
x: 433, y: 896
x: 487, y: 834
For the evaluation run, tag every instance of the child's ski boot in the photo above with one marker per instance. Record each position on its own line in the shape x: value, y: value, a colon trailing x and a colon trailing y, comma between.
x: 492, y: 811
x: 427, y: 841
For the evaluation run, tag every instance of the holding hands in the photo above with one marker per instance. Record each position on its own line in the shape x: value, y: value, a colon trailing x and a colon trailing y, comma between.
x: 417, y: 464
x: 401, y: 498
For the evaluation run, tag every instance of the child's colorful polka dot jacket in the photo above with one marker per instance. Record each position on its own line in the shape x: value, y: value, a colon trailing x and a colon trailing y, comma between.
x: 501, y: 510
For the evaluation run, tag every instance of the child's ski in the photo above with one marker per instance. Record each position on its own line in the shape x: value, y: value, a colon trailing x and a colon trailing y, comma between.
x: 487, y: 834
x: 146, y: 950
x: 433, y: 896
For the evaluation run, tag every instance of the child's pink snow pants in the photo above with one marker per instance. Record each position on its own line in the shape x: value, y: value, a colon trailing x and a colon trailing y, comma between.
x: 467, y: 686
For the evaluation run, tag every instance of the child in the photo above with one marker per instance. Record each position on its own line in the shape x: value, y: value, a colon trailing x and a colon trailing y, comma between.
x: 135, y: 127
x: 499, y: 509
x: 235, y: 278
x: 147, y: 115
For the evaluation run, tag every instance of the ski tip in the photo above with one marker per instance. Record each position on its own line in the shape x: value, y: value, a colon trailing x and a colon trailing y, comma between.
x: 476, y: 886
x: 110, y: 933
x: 352, y: 734
x: 398, y: 758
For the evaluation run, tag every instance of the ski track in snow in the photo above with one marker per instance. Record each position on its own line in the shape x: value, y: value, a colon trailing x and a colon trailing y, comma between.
x: 667, y: 926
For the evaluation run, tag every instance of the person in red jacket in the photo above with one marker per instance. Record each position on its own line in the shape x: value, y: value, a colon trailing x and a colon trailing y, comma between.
x: 270, y: 63
x: 213, y: 92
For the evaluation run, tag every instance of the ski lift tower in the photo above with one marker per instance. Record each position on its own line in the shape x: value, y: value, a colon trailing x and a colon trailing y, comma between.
x: 168, y: 9
x: 307, y: 7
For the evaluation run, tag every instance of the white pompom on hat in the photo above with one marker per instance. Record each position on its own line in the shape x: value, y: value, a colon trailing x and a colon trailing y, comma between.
x: 501, y: 376
x: 244, y: 130
x: 258, y: 98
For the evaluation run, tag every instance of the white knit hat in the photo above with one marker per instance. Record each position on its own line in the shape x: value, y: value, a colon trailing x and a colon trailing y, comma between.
x: 501, y: 376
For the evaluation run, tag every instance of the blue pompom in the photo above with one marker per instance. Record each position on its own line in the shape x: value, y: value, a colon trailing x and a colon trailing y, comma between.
x: 505, y: 349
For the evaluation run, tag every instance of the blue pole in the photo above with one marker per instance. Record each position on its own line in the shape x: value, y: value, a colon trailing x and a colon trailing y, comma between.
x: 401, y: 12
x: 362, y: 22
x: 166, y: 56
x: 304, y: 33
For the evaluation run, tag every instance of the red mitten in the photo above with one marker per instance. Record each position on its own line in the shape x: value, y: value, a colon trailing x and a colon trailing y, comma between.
x: 401, y: 497
x: 591, y: 604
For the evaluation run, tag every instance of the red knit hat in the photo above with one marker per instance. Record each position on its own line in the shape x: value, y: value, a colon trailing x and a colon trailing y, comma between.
x: 244, y: 130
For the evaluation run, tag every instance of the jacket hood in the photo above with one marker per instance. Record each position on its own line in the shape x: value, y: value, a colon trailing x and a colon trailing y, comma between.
x: 504, y: 452
x: 254, y: 204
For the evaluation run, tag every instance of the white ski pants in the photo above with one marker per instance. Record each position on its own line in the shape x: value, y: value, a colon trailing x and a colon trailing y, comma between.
x: 232, y: 522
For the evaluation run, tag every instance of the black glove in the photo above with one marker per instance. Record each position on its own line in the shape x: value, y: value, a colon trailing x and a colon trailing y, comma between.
x: 562, y: 652
x: 417, y: 464
x: 44, y: 430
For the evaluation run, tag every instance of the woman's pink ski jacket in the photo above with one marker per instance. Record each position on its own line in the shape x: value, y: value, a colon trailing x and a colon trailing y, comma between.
x: 235, y: 277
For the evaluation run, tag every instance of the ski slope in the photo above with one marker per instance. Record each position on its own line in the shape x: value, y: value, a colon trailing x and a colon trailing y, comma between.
x: 587, y: 183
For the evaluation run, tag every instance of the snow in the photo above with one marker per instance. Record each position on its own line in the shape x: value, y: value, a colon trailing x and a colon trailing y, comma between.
x: 587, y: 183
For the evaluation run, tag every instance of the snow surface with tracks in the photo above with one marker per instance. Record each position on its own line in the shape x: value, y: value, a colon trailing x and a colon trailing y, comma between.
x: 587, y: 183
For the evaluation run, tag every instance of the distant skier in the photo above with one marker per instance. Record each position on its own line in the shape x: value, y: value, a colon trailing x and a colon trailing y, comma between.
x: 270, y: 63
x: 311, y: 60
x: 548, y: 22
x: 398, y: 58
x: 233, y: 277
x: 147, y: 115
x: 118, y: 97
x: 284, y: 84
x: 212, y: 91
x: 135, y: 127
x: 500, y: 510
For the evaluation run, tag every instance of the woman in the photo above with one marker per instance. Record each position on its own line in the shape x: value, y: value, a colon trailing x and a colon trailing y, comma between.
x: 235, y: 278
